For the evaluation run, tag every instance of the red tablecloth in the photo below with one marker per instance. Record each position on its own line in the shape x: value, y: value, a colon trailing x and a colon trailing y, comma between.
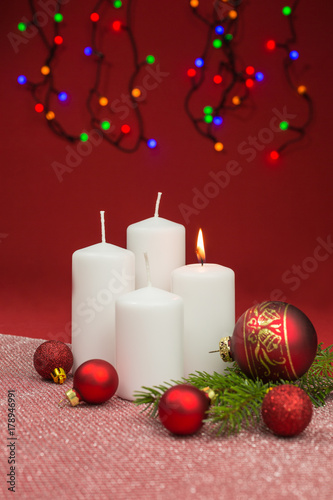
x: 113, y: 451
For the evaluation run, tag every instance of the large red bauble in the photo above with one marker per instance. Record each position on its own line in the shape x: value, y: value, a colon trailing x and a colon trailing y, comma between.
x: 50, y: 355
x: 273, y: 341
x: 286, y: 410
x: 95, y: 381
x: 182, y: 409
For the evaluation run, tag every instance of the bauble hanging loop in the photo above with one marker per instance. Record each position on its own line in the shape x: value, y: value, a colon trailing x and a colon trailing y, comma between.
x: 272, y: 341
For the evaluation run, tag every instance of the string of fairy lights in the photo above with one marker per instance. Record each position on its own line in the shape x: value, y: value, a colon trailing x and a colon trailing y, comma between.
x: 45, y: 91
x: 218, y: 60
x: 292, y: 55
x: 234, y: 85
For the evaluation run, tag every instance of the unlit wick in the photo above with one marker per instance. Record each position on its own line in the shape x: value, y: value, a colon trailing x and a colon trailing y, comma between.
x: 157, y: 206
x: 147, y: 268
x: 102, y: 212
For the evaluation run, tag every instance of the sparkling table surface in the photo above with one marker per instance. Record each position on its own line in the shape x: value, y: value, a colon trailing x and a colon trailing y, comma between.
x: 113, y: 451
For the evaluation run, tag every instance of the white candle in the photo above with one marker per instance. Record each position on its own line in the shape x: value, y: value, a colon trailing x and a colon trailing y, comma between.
x: 208, y: 291
x: 164, y: 241
x: 100, y: 273
x: 149, y: 339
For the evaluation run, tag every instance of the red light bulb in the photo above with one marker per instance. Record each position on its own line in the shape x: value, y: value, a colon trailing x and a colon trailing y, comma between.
x: 274, y: 155
x: 249, y: 70
x: 249, y: 83
x: 125, y: 129
x: 116, y: 25
x: 191, y: 72
x: 217, y: 79
x: 271, y: 45
x: 94, y: 17
x: 58, y: 40
x: 39, y: 107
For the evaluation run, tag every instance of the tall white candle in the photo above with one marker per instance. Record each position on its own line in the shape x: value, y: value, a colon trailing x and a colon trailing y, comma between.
x: 164, y: 241
x: 100, y: 273
x: 208, y: 291
x: 149, y: 339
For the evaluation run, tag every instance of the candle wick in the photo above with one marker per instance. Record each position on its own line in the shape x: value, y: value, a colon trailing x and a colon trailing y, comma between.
x: 147, y: 269
x: 201, y: 261
x: 102, y: 212
x: 157, y: 206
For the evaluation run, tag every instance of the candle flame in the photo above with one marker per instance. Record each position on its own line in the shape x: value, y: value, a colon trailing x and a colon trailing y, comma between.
x: 200, y: 247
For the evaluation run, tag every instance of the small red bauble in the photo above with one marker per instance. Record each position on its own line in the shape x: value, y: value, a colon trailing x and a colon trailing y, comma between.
x: 182, y: 409
x: 95, y: 381
x: 286, y: 410
x: 273, y: 341
x: 53, y: 360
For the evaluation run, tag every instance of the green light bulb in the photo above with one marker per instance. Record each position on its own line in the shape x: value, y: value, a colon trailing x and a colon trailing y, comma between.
x: 284, y: 125
x: 58, y: 17
x: 150, y: 59
x: 217, y: 43
x: 286, y: 11
x: 21, y: 26
x: 84, y: 137
x: 228, y: 37
x: 208, y: 110
x: 105, y: 125
x: 208, y: 118
x: 117, y: 4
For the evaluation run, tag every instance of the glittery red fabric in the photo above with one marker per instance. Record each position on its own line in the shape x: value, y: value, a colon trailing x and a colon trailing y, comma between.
x: 50, y: 355
x: 114, y: 452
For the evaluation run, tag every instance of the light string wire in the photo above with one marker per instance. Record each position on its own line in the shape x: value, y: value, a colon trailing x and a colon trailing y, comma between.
x: 227, y: 24
x: 301, y: 90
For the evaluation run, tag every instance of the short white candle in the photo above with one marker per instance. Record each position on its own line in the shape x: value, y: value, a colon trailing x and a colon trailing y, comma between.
x: 164, y: 241
x: 149, y: 339
x: 100, y: 273
x: 208, y: 291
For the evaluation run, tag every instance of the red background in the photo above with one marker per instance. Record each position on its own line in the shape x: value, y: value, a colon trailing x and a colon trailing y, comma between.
x: 264, y: 222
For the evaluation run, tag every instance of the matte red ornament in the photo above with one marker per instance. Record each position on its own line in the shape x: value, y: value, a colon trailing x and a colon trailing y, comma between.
x: 53, y: 360
x: 95, y: 381
x: 273, y: 341
x: 286, y: 410
x: 182, y: 409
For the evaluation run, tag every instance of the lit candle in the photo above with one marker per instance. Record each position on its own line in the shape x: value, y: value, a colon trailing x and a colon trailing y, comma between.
x: 208, y: 291
x: 164, y: 241
x: 100, y: 273
x: 149, y: 338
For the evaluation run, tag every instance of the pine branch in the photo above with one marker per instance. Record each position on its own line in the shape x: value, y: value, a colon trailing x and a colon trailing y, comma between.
x: 238, y: 405
x: 236, y: 400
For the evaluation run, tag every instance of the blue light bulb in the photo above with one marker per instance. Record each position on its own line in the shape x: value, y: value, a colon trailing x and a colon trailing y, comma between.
x: 151, y: 143
x: 199, y: 62
x: 259, y: 76
x: 217, y: 120
x: 88, y: 51
x: 219, y: 30
x: 294, y: 54
x: 22, y: 79
x: 62, y: 96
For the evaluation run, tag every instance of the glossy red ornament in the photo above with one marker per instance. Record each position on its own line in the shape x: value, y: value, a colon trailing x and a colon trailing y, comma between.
x: 53, y: 360
x: 95, y: 381
x: 182, y: 409
x: 273, y: 341
x: 286, y: 410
